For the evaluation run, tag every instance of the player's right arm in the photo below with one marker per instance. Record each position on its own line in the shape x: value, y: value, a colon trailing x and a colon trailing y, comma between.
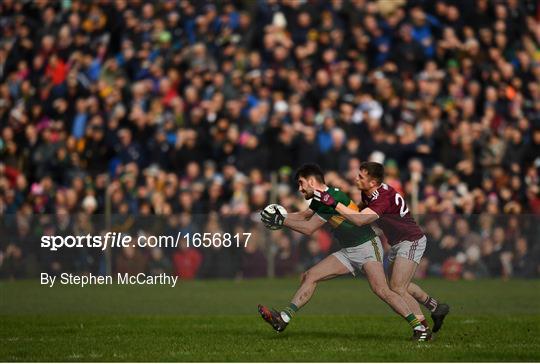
x: 363, y: 217
x: 305, y: 222
x: 301, y: 215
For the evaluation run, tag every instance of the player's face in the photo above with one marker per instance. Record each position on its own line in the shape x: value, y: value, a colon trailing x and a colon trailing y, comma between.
x: 363, y: 181
x: 305, y: 188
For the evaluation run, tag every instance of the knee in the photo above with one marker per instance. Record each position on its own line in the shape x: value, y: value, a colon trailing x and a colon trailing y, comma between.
x: 308, y: 277
x: 399, y: 289
x: 381, y: 292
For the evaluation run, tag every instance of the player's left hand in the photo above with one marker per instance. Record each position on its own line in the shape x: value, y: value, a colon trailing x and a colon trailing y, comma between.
x: 325, y: 198
x: 272, y: 220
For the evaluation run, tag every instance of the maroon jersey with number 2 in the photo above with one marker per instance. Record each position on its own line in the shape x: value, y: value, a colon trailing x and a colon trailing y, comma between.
x: 395, y: 219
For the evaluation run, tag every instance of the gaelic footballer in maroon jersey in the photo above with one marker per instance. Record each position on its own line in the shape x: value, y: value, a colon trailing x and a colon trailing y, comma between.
x: 382, y: 204
x: 395, y: 220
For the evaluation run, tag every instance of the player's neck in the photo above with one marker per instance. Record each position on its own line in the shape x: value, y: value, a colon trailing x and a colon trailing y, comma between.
x: 372, y: 189
x: 321, y: 187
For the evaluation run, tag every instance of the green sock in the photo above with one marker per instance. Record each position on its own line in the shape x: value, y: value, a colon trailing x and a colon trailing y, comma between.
x: 289, y: 311
x: 413, y: 321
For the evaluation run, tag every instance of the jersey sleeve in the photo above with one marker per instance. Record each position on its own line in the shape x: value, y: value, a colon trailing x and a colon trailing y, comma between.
x: 380, y: 205
x: 319, y: 209
x: 326, y: 212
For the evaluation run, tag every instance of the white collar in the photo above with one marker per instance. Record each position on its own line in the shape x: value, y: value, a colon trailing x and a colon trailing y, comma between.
x: 376, y: 192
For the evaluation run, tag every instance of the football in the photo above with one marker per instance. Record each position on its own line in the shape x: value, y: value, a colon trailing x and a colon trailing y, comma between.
x: 271, y: 209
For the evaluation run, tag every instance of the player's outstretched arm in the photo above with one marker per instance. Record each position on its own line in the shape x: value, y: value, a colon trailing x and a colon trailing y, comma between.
x: 364, y: 217
x: 301, y: 215
x: 305, y: 226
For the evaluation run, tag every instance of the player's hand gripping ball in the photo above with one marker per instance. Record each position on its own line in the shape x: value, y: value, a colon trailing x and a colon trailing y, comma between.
x: 273, y: 215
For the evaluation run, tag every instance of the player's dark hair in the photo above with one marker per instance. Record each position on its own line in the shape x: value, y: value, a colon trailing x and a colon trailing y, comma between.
x: 374, y: 170
x: 309, y: 170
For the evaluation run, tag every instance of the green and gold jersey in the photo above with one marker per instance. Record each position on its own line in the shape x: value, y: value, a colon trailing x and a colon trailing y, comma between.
x: 346, y: 232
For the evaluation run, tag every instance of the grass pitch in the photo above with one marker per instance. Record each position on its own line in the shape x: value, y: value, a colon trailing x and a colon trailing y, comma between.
x: 218, y: 321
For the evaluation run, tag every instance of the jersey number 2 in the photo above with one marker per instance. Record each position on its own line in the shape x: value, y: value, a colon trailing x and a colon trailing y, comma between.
x: 400, y: 201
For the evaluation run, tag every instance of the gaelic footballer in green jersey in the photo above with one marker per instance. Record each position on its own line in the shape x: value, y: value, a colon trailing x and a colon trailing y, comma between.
x: 361, y: 250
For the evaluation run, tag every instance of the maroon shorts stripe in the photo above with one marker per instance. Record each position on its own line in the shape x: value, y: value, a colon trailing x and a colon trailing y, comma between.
x: 413, y: 249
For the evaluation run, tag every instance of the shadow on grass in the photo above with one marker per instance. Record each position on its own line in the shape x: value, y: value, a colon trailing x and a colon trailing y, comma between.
x: 267, y: 333
x: 341, y: 336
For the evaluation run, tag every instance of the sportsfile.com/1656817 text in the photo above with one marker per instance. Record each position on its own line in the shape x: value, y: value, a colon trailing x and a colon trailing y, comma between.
x: 123, y: 240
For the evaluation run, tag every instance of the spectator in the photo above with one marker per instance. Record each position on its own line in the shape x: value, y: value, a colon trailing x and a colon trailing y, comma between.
x: 314, y: 254
x: 131, y: 261
x: 285, y: 259
x: 158, y: 263
x: 187, y: 261
x: 253, y: 259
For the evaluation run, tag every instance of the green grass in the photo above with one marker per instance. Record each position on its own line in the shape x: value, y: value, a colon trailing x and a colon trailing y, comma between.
x: 217, y: 321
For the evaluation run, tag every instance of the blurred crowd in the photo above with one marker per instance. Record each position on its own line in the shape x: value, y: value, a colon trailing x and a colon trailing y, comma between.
x: 197, y: 113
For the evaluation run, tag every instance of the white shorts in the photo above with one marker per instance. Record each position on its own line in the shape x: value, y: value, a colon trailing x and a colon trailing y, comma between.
x: 412, y: 250
x: 354, y: 258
